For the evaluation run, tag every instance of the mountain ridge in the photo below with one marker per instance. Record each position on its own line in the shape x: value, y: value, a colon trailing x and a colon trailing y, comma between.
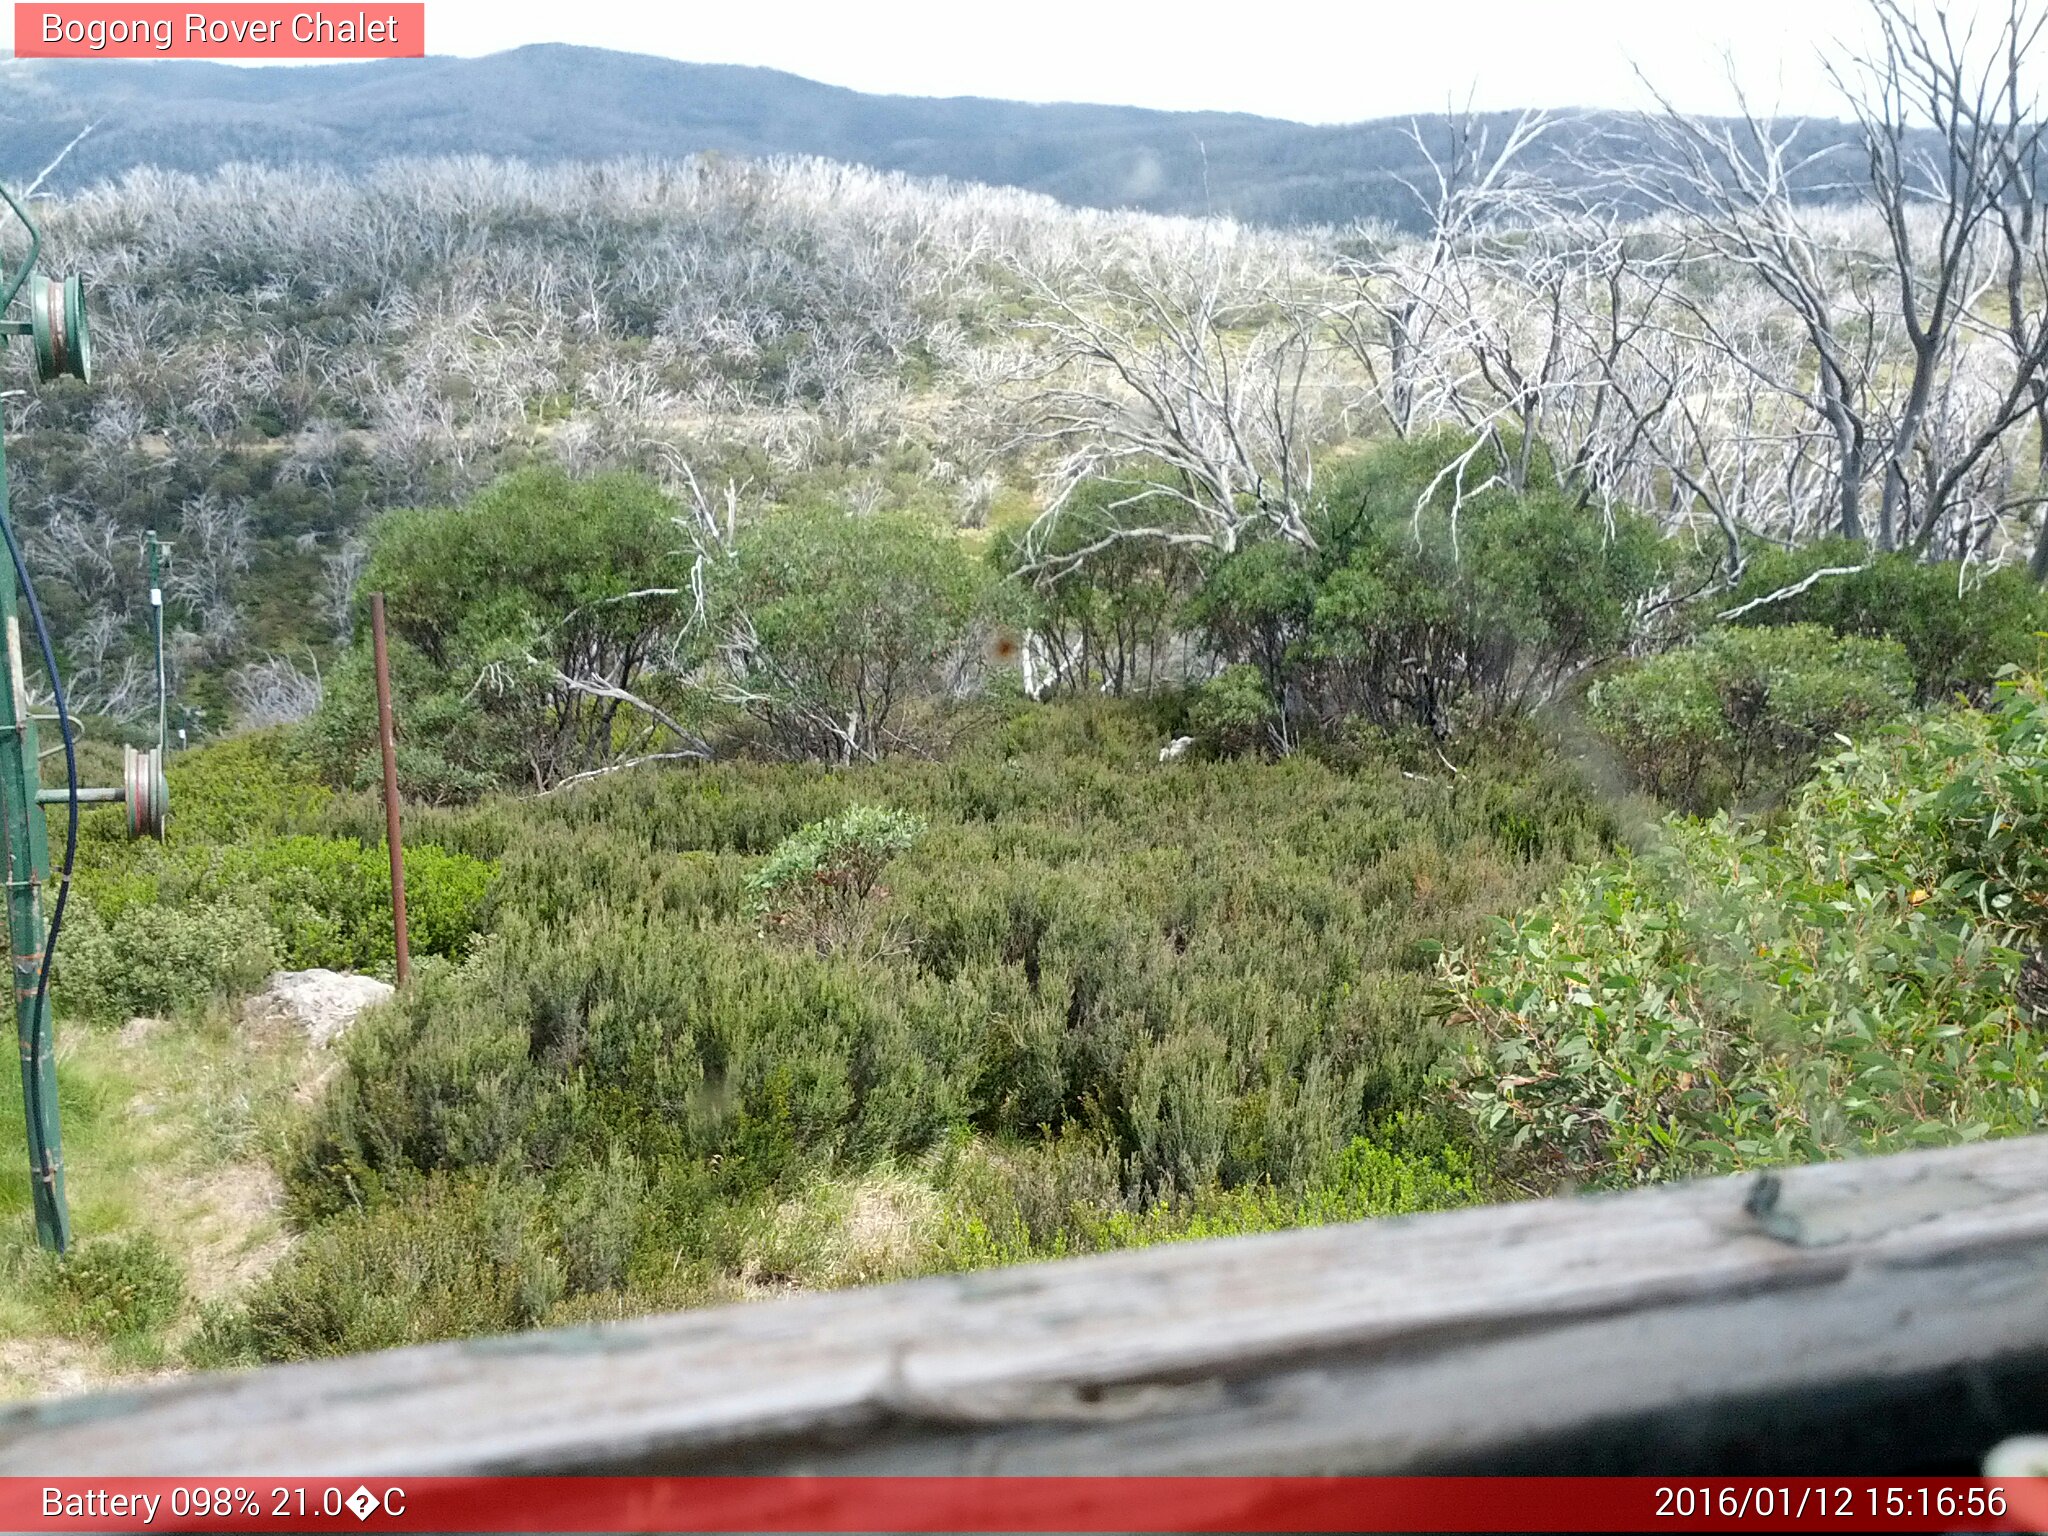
x: 555, y: 101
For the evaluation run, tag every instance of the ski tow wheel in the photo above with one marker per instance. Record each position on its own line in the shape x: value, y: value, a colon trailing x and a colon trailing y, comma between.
x: 144, y: 792
x: 63, y: 341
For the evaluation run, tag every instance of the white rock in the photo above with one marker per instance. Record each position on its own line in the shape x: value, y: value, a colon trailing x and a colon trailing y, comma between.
x: 322, y: 1003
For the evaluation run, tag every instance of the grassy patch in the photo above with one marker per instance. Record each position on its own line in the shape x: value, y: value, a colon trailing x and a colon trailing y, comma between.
x: 170, y: 1135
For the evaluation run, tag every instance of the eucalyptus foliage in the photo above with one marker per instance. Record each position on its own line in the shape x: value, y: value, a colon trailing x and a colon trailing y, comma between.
x: 834, y: 626
x: 524, y: 622
x: 1848, y: 981
x: 1105, y: 591
x: 1958, y: 625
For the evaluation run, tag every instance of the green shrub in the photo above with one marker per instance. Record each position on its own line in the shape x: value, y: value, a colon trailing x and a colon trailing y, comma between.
x: 450, y: 749
x: 1421, y: 607
x: 323, y: 901
x: 817, y: 883
x: 116, y: 1287
x: 1232, y: 712
x: 330, y: 899
x: 1741, y: 714
x: 846, y: 619
x: 241, y: 787
x: 1958, y: 627
x: 601, y: 1211
x: 491, y: 605
x: 1205, y: 986
x: 1368, y: 1179
x: 463, y: 1257
x: 1103, y: 597
x: 1061, y: 1196
x: 160, y: 960
x: 1845, y: 983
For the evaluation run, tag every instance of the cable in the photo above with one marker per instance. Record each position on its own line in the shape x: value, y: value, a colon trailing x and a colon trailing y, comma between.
x: 34, y: 1064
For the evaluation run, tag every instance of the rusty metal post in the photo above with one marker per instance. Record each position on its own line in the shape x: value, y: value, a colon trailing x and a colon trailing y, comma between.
x: 389, y: 741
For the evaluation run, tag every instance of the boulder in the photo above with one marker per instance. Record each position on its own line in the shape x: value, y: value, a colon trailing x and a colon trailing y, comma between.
x: 323, y: 1004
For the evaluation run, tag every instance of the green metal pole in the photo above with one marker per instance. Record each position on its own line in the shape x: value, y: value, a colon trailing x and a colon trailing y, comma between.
x: 27, y: 867
x: 156, y: 614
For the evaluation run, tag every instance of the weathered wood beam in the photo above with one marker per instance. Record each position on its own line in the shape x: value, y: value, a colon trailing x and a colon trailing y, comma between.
x: 1452, y: 1340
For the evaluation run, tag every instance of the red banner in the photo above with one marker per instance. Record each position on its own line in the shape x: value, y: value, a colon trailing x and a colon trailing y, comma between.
x: 224, y: 31
x: 1033, y: 1504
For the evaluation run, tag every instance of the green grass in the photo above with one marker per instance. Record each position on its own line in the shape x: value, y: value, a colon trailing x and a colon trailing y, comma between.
x: 170, y: 1139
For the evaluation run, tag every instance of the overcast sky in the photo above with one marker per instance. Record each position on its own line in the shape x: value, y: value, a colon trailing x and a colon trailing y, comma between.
x: 1313, y: 60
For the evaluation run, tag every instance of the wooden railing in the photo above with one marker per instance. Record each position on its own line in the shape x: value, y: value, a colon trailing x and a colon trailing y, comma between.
x: 1885, y: 1315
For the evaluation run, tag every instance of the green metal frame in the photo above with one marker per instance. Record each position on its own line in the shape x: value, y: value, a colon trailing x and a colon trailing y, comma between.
x: 61, y: 343
x: 35, y: 248
x: 27, y: 870
x: 26, y: 865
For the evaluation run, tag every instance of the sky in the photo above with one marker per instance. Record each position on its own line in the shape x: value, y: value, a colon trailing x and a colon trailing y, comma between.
x: 1320, y: 61
x: 1310, y: 60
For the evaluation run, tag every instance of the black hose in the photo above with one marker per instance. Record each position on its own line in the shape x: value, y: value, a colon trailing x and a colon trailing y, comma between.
x: 34, y: 1065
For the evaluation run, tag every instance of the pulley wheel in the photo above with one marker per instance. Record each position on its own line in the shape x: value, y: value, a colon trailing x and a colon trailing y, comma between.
x: 144, y: 792
x: 63, y: 340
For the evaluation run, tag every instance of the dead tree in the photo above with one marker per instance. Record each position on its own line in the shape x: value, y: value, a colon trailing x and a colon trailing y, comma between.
x: 1943, y: 164
x: 1952, y: 141
x: 1196, y: 376
x: 1403, y: 301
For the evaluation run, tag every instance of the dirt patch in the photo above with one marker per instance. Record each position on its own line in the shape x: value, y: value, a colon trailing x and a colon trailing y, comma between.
x: 313, y: 1080
x: 233, y: 1227
x: 49, y: 1366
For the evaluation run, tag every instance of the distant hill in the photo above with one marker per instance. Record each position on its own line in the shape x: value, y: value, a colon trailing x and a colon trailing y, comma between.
x: 555, y: 102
